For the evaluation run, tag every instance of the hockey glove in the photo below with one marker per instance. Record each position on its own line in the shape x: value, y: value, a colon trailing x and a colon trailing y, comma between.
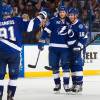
x: 41, y: 46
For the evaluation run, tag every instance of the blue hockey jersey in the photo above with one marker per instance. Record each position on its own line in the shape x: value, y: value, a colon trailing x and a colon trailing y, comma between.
x: 77, y: 35
x: 11, y: 30
x: 56, y: 29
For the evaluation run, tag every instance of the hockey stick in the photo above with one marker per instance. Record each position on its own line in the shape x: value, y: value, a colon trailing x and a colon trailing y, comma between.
x: 34, y: 66
x: 47, y: 68
x: 96, y: 37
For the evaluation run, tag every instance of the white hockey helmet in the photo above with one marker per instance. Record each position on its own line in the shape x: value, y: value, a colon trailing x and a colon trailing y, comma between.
x: 44, y: 13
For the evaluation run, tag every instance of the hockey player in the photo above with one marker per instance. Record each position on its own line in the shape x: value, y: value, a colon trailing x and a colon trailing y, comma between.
x: 36, y: 25
x: 11, y: 29
x: 37, y: 22
x: 56, y: 30
x: 77, y: 38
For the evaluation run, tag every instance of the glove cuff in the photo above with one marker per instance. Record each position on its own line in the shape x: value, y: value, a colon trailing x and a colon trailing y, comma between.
x: 77, y: 48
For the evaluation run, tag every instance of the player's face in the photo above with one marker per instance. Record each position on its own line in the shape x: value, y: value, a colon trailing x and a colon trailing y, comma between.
x: 72, y: 17
x: 62, y: 14
x: 6, y: 16
x: 43, y: 23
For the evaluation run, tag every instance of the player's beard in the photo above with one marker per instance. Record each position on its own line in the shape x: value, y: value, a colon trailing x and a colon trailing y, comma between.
x: 62, y: 18
x: 73, y: 19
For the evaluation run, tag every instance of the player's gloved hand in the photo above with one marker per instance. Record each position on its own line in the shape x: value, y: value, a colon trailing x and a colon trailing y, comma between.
x: 41, y: 46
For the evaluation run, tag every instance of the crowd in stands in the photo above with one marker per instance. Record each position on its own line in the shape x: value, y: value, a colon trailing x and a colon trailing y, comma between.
x: 89, y: 10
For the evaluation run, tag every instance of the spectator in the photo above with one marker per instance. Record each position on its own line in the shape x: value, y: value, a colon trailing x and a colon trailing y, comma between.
x: 32, y: 8
x: 96, y: 23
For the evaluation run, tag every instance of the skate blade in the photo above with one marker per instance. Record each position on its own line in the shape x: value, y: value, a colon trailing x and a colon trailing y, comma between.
x: 68, y: 93
x: 76, y: 93
x: 56, y: 92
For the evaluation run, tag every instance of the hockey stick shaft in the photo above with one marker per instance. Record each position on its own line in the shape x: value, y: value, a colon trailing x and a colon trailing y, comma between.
x: 37, y: 58
x: 34, y: 66
x: 96, y: 37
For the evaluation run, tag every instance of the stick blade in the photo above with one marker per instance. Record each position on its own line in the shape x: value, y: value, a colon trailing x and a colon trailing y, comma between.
x: 48, y: 68
x: 31, y: 66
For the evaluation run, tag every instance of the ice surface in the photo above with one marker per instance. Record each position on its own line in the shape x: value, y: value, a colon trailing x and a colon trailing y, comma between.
x: 42, y: 89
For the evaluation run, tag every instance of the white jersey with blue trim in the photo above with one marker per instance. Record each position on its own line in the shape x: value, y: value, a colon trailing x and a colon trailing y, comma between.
x: 56, y: 29
x: 77, y: 34
x: 11, y: 30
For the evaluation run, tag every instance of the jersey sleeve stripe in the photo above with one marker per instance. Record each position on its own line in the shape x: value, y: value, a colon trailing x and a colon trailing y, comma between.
x: 30, y: 26
x: 47, y: 30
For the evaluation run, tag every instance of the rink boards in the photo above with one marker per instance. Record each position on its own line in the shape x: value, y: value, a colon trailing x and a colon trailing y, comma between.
x: 30, y: 53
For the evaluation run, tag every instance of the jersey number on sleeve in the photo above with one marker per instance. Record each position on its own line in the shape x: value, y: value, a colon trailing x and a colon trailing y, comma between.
x: 7, y: 33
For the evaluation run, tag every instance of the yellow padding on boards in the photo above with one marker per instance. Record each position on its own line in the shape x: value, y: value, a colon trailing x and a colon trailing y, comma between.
x: 49, y: 73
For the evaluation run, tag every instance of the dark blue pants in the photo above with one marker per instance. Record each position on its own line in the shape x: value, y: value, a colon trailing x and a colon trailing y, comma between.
x: 76, y: 66
x: 59, y: 57
x: 13, y: 61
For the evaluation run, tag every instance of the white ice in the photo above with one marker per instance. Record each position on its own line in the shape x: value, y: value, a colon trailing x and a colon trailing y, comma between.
x: 42, y: 89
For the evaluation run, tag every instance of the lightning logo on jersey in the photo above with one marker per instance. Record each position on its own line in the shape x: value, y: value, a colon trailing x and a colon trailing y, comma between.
x: 57, y: 30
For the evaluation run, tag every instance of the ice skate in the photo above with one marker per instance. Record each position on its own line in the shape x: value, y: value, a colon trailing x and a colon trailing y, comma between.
x: 57, y: 88
x: 0, y: 97
x: 66, y: 88
x: 10, y: 98
x: 77, y: 89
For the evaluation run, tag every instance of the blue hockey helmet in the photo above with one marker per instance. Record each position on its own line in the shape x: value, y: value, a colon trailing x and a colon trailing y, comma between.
x: 67, y: 9
x: 73, y: 11
x: 62, y: 8
x: 7, y: 10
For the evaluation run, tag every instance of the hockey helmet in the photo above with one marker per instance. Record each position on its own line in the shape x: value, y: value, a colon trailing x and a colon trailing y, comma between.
x: 7, y: 10
x: 44, y: 14
x: 62, y: 8
x: 74, y: 11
